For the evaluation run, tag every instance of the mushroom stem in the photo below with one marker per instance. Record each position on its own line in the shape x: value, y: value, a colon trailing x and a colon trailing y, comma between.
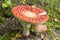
x: 26, y: 27
x: 26, y: 31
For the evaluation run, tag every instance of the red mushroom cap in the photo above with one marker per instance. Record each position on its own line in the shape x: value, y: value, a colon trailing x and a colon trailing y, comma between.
x: 30, y: 14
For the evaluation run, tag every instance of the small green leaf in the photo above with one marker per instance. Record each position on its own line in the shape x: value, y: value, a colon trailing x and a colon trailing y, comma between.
x: 4, y: 5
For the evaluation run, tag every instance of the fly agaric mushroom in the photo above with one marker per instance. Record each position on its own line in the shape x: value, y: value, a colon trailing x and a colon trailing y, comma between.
x: 40, y: 28
x: 30, y: 14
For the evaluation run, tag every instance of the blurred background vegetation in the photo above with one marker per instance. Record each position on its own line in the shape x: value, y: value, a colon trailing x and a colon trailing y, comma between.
x: 51, y: 6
